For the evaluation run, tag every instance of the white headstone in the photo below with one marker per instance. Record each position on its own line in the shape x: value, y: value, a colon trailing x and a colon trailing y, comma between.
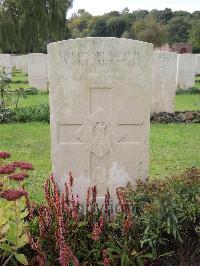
x: 5, y: 61
x: 186, y: 71
x: 198, y: 64
x: 100, y: 109
x: 37, y: 70
x: 13, y: 60
x: 163, y: 82
x: 24, y: 63
x: 18, y: 62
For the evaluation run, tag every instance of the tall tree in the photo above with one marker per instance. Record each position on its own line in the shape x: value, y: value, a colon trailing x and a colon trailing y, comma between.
x: 149, y: 30
x: 28, y: 25
x: 178, y: 29
x: 195, y: 36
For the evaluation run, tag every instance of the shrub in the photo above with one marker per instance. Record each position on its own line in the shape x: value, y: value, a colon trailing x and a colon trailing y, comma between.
x: 158, y: 221
x: 13, y: 211
x: 193, y: 90
x: 39, y: 113
x: 31, y: 91
x: 33, y: 113
x: 70, y: 235
x: 7, y: 116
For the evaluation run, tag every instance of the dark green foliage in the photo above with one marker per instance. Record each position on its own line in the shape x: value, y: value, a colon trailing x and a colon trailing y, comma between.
x: 162, y: 16
x: 7, y: 116
x: 28, y: 25
x: 100, y: 29
x: 193, y: 90
x: 195, y: 36
x: 39, y: 113
x: 179, y: 25
x: 32, y: 91
x: 178, y: 29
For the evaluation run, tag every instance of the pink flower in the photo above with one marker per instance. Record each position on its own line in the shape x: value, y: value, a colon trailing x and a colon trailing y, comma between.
x: 18, y: 176
x: 7, y: 169
x: 4, y: 154
x: 97, y: 229
x: 23, y: 165
x: 13, y: 194
x: 106, y: 260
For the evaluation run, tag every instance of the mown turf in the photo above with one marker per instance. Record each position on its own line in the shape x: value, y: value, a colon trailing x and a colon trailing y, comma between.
x: 172, y: 149
x: 29, y: 142
x: 187, y: 102
x: 34, y: 100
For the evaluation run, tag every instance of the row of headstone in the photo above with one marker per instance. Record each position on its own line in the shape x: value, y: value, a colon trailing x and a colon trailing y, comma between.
x: 170, y: 72
x: 5, y: 62
x: 33, y: 64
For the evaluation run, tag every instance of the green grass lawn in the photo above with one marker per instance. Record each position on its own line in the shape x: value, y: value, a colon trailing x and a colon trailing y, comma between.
x: 172, y: 149
x: 187, y: 102
x: 19, y: 76
x: 34, y: 100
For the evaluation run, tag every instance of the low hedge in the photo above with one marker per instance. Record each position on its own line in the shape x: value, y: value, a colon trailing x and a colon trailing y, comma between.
x: 176, y: 117
x: 39, y: 113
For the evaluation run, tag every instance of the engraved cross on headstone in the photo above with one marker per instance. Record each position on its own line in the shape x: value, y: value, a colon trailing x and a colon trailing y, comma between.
x: 99, y: 137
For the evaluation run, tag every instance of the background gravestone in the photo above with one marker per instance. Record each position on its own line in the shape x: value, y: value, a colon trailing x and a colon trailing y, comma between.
x: 100, y: 109
x: 163, y: 82
x: 24, y: 64
x: 197, y: 64
x: 18, y: 62
x: 37, y: 70
x: 5, y: 61
x: 186, y: 71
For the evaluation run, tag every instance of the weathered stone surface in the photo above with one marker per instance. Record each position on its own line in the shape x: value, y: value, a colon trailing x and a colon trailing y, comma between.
x: 18, y: 62
x: 186, y: 71
x: 197, y: 64
x: 163, y: 81
x: 24, y: 63
x: 5, y: 61
x: 100, y: 110
x: 37, y: 70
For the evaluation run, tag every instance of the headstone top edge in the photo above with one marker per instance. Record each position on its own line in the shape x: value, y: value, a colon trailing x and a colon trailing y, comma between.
x: 87, y: 39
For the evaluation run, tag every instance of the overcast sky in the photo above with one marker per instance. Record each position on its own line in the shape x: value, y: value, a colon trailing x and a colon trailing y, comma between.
x: 99, y: 7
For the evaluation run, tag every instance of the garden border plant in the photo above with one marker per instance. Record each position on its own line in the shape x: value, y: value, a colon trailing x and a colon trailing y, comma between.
x: 155, y: 222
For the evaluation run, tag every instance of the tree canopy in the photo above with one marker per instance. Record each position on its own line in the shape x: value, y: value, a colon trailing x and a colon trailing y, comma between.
x: 28, y: 25
x: 156, y: 26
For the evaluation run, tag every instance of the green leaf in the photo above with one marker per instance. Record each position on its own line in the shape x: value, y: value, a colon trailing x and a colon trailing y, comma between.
x: 139, y: 261
x: 21, y: 258
x: 22, y: 241
x: 5, y: 246
x: 167, y: 254
x: 23, y: 214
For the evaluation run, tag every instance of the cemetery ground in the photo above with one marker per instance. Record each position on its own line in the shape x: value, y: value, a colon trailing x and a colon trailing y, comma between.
x: 183, y: 102
x: 173, y: 147
x: 163, y: 217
